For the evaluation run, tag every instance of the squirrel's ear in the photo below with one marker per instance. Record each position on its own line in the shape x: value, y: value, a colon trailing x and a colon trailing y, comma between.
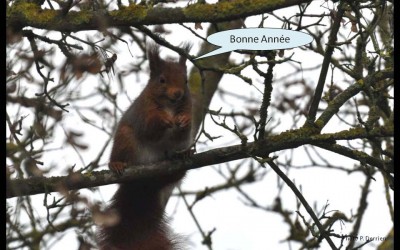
x: 155, y: 61
x: 186, y: 47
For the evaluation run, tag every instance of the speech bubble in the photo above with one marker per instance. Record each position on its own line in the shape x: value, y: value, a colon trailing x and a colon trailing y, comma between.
x: 256, y: 39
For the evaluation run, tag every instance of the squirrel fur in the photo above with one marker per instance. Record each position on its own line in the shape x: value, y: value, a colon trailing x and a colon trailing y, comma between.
x: 155, y: 127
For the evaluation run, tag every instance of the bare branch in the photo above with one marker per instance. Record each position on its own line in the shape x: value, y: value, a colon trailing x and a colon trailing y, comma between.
x: 285, y: 140
x: 135, y: 14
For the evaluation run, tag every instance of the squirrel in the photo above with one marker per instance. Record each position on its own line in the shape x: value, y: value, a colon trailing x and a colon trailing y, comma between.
x: 155, y: 127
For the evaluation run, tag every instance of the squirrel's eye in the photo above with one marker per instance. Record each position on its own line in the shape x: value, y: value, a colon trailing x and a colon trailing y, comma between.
x: 162, y: 79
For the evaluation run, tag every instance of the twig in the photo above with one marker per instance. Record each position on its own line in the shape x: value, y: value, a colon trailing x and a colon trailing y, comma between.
x: 285, y: 140
x: 325, y: 64
x: 303, y: 201
x: 206, y: 238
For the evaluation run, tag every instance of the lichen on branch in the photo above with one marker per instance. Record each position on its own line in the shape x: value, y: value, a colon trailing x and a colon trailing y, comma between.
x: 26, y: 14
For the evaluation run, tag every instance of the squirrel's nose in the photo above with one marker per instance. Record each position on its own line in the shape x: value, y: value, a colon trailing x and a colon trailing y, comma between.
x: 177, y: 95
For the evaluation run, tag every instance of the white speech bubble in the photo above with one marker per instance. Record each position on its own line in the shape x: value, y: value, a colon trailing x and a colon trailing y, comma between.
x: 256, y: 39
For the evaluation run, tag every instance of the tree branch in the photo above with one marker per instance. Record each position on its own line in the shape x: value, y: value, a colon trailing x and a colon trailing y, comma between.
x: 351, y: 91
x: 325, y: 64
x: 303, y: 201
x: 23, y: 14
x: 285, y: 140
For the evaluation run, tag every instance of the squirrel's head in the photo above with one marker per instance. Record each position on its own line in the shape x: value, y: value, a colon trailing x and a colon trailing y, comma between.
x: 168, y: 80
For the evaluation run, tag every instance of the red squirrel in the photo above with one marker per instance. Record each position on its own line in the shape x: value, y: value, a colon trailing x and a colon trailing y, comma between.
x: 155, y: 127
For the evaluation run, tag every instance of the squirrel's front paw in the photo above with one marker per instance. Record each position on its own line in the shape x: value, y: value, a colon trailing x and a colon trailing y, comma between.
x: 117, y: 166
x: 167, y: 122
x: 183, y: 121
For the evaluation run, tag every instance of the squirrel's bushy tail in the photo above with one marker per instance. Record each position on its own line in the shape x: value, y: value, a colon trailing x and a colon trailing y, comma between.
x: 141, y: 224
